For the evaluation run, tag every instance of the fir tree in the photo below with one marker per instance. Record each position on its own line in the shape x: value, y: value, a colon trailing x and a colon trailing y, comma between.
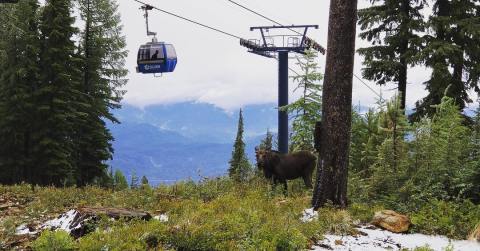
x: 19, y: 78
x: 58, y: 96
x: 101, y: 41
x: 306, y: 111
x: 393, y: 124
x: 119, y: 181
x: 391, y: 26
x: 144, y: 181
x: 240, y: 167
x: 452, y: 46
x: 134, y: 182
x: 440, y: 154
x: 473, y: 189
x: 267, y: 142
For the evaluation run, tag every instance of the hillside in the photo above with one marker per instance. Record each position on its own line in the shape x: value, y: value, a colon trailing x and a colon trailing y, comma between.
x: 181, y: 141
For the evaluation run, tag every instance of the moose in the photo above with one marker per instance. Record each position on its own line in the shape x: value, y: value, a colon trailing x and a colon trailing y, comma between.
x: 282, y: 167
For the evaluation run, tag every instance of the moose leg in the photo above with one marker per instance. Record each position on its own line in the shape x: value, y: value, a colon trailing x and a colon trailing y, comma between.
x: 307, y: 179
x: 285, y: 187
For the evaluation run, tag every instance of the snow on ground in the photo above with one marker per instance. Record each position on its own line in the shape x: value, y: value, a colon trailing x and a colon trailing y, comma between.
x: 377, y: 239
x: 309, y: 215
x: 66, y: 222
x: 161, y: 218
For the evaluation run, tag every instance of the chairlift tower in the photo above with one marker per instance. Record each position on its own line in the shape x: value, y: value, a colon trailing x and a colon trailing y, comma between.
x: 279, y: 46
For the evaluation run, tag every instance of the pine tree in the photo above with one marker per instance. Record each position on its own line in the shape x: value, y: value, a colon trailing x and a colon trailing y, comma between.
x: 473, y: 190
x: 393, y: 124
x: 19, y: 78
x: 306, y: 111
x: 101, y: 41
x: 134, y: 184
x: 452, y: 52
x: 267, y: 142
x: 389, y: 170
x: 144, y: 181
x: 440, y: 152
x: 240, y: 167
x: 58, y: 96
x: 391, y: 26
x: 119, y: 181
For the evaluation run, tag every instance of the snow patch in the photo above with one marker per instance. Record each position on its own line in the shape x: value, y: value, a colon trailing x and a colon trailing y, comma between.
x: 309, y: 215
x: 66, y: 222
x: 377, y: 239
x: 24, y: 230
x: 161, y: 218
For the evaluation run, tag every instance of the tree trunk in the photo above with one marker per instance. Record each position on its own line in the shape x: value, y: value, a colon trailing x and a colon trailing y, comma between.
x: 331, y: 184
x: 403, y: 71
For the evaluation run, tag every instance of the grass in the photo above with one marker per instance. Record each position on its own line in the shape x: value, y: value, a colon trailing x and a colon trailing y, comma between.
x: 212, y: 215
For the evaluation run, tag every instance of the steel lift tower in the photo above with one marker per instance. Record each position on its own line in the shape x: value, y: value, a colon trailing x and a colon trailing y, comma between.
x: 279, y: 46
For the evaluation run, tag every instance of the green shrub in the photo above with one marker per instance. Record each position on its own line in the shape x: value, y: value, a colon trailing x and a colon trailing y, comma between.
x: 137, y: 235
x: 54, y: 241
x: 453, y: 219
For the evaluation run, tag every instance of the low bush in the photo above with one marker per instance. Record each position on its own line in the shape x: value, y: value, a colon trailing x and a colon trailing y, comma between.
x: 54, y: 241
x: 453, y: 219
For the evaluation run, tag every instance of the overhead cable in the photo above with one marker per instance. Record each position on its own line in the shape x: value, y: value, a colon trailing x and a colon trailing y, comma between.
x: 190, y: 20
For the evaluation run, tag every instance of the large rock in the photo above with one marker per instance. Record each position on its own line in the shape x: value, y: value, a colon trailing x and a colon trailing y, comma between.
x: 391, y: 221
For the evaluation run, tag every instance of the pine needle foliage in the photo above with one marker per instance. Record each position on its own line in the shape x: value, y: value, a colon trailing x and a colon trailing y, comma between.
x: 56, y: 94
x: 240, y: 168
x: 452, y: 52
x: 305, y: 111
x: 392, y: 28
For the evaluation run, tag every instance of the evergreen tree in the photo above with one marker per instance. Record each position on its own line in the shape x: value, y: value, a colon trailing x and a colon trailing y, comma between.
x: 440, y: 151
x: 391, y: 26
x: 58, y: 97
x: 19, y: 78
x: 119, y: 181
x: 306, y: 111
x: 390, y: 167
x: 393, y: 124
x: 134, y: 183
x: 144, y: 181
x: 473, y: 189
x: 452, y: 52
x: 240, y: 167
x: 101, y: 41
x: 267, y: 142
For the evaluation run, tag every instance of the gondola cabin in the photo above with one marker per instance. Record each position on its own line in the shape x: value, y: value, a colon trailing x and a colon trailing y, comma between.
x: 156, y: 57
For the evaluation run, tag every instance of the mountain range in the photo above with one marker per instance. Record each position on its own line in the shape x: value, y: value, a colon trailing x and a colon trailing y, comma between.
x: 167, y: 143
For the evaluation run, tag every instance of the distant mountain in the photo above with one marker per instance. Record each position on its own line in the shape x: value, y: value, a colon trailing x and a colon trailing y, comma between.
x: 181, y: 141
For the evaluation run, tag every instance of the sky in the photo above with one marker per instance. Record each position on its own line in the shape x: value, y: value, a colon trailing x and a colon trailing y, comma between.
x: 213, y: 68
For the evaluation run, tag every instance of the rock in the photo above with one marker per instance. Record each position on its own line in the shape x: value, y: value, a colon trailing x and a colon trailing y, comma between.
x: 475, y: 235
x: 391, y: 221
x: 115, y: 213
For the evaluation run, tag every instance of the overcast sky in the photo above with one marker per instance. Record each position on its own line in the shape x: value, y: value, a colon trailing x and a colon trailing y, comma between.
x: 214, y: 68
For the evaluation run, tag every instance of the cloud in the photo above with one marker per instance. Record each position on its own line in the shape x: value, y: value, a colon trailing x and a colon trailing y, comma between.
x: 215, y: 69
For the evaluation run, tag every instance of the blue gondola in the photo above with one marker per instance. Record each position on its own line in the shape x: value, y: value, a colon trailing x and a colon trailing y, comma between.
x: 156, y: 57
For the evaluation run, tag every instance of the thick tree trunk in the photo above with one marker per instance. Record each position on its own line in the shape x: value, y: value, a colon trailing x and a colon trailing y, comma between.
x: 331, y: 184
